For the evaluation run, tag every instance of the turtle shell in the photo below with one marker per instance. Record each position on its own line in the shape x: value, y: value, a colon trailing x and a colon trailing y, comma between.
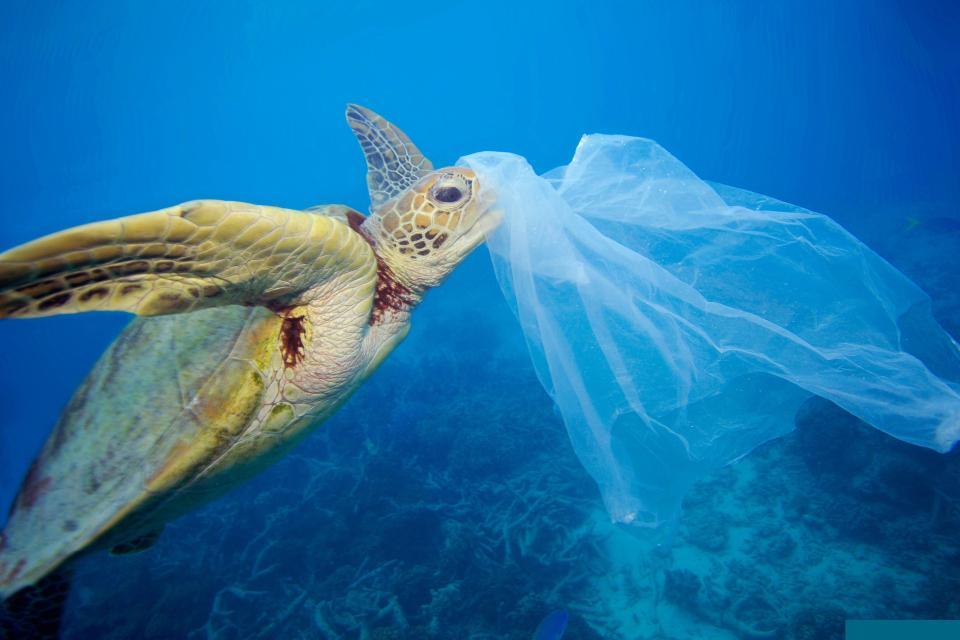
x: 158, y: 406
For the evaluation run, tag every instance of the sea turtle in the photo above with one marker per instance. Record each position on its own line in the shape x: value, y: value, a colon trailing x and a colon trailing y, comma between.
x: 263, y: 321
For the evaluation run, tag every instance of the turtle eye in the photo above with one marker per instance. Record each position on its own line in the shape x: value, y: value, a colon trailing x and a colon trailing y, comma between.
x: 448, y: 194
x: 450, y: 191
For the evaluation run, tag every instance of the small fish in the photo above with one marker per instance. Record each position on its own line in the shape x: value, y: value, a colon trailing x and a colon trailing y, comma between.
x: 553, y: 626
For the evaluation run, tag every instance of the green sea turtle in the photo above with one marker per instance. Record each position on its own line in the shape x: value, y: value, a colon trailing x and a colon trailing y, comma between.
x: 264, y: 321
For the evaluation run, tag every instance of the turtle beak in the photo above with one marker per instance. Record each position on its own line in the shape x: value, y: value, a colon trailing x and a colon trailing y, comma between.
x: 488, y: 219
x: 490, y: 216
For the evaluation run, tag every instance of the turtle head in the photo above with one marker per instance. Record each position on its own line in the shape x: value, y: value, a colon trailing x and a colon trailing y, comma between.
x: 423, y: 222
x: 431, y: 226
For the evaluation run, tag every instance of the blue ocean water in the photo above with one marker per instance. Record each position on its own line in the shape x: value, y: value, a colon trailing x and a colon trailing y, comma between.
x: 444, y: 500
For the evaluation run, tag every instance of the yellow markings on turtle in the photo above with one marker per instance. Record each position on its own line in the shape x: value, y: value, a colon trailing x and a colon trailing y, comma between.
x: 299, y: 226
x: 423, y: 220
x: 174, y: 256
x: 260, y: 240
x: 263, y: 337
x: 203, y: 213
x: 390, y: 221
x: 231, y: 229
x: 13, y: 272
x: 292, y: 393
x: 142, y: 228
x: 286, y: 244
x: 225, y: 408
x: 179, y: 230
x: 178, y: 452
x: 154, y: 250
x: 279, y: 419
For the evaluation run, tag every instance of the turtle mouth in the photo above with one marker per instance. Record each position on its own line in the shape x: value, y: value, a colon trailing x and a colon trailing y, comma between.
x: 490, y: 215
x: 489, y: 220
x: 484, y: 223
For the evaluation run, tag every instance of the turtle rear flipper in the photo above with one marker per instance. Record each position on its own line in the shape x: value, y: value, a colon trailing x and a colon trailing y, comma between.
x: 136, y: 545
x: 35, y: 612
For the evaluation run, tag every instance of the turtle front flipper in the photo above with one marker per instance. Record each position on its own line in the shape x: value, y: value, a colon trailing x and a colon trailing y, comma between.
x: 192, y: 256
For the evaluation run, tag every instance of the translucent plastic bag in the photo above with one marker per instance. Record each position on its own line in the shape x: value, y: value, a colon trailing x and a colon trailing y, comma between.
x: 678, y: 325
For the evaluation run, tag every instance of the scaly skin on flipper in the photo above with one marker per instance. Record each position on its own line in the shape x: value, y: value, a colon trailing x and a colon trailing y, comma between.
x: 192, y: 256
x: 393, y: 162
x: 267, y: 320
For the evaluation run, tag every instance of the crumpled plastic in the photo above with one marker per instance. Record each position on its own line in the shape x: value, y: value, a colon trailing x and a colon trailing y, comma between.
x: 677, y: 325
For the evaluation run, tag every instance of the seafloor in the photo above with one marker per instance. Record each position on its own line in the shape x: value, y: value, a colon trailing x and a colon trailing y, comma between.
x: 445, y: 502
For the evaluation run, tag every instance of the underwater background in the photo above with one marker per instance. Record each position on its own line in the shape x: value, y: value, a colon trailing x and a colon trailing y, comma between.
x: 444, y: 500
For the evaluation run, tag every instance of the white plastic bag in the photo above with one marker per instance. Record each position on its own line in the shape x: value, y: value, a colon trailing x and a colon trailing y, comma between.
x: 677, y: 326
